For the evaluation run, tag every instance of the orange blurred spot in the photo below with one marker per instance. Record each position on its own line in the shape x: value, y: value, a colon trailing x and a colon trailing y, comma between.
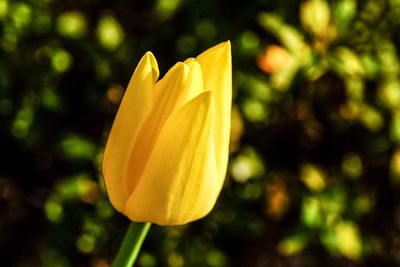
x: 100, y: 263
x: 277, y: 199
x: 273, y: 59
x: 115, y: 94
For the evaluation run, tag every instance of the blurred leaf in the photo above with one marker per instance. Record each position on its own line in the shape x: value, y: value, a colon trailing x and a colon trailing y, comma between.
x: 3, y: 9
x: 312, y: 177
x: 370, y: 65
x: 371, y: 118
x: 312, y: 11
x: 344, y: 13
x: 348, y: 239
x: 311, y: 213
x: 75, y: 187
x: 21, y: 15
x: 389, y: 94
x: 288, y: 36
x: 293, y: 244
x: 347, y: 63
x: 388, y: 59
x: 76, y: 147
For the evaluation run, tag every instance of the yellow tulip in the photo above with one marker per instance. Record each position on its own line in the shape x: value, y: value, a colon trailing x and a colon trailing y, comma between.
x: 166, y: 156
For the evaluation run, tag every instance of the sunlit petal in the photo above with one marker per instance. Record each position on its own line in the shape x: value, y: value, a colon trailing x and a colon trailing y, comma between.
x: 179, y: 181
x: 182, y: 83
x: 217, y: 75
x: 135, y: 106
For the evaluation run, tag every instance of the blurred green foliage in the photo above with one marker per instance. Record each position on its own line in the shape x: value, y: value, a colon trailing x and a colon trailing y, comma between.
x: 314, y: 173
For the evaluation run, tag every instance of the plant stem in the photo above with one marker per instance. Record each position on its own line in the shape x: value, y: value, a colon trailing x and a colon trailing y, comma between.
x: 131, y: 245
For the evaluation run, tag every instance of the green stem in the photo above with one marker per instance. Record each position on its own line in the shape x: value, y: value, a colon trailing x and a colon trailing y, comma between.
x: 131, y: 245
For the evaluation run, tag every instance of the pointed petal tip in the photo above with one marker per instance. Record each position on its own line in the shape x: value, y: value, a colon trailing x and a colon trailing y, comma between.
x: 148, y: 56
x: 189, y: 61
x: 227, y: 46
x: 148, y: 59
x: 212, y: 54
x: 224, y: 45
x: 181, y: 67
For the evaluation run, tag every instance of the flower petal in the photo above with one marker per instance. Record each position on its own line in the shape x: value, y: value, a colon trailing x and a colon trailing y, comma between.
x: 182, y: 83
x: 179, y: 182
x: 135, y: 106
x: 216, y: 65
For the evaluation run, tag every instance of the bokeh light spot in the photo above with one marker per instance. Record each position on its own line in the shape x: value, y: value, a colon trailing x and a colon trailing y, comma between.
x: 352, y: 165
x: 186, y: 44
x: 9, y: 42
x: 175, y: 260
x: 313, y: 177
x: 21, y: 14
x: 274, y: 59
x: 22, y: 122
x: 104, y: 209
x: 167, y: 8
x: 86, y: 243
x: 206, y: 30
x: 3, y: 9
x: 54, y: 211
x: 255, y: 110
x: 50, y: 99
x: 72, y: 24
x: 249, y: 42
x: 110, y: 32
x: 311, y: 215
x: 277, y: 199
x: 216, y: 259
x: 76, y: 147
x: 371, y: 118
x: 348, y: 239
x: 246, y: 165
x: 292, y: 245
x: 61, y: 60
x: 147, y: 260
x: 115, y: 94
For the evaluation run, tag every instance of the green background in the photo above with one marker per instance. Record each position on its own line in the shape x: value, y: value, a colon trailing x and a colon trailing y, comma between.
x: 314, y: 174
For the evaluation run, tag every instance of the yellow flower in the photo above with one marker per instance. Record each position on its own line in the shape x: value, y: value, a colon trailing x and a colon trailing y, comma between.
x: 166, y: 157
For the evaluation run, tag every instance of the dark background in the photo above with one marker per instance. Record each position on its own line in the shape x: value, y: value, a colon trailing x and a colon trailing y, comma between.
x: 314, y: 173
